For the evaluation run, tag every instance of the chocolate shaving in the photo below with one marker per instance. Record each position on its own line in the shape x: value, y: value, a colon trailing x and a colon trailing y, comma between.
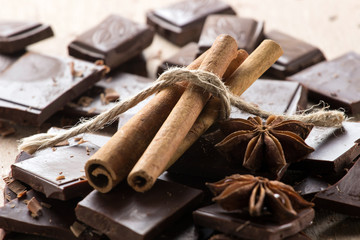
x: 74, y: 72
x: 61, y: 177
x: 77, y: 228
x: 111, y: 95
x: 15, y: 186
x: 62, y: 143
x: 85, y: 101
x: 34, y: 207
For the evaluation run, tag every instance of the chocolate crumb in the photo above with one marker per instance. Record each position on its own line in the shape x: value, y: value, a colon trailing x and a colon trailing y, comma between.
x: 103, y: 99
x: 62, y: 143
x: 53, y: 149
x: 22, y: 194
x: 81, y: 141
x: 111, y: 95
x: 77, y: 228
x: 34, y: 207
x: 76, y: 139
x: 91, y: 110
x: 61, y: 177
x: 85, y: 101
x: 74, y: 72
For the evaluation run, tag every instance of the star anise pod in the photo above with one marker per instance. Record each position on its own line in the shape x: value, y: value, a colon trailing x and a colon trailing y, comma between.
x: 268, y: 145
x: 259, y: 195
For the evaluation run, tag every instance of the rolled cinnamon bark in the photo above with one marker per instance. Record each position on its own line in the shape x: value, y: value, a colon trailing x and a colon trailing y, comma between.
x: 250, y: 70
x: 162, y: 148
x: 112, y: 163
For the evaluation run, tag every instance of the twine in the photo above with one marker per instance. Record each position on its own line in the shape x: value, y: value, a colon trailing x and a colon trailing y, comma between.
x: 205, y: 80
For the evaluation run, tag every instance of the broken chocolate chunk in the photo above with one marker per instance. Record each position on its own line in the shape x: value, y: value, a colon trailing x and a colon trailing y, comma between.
x: 16, y: 35
x: 28, y: 95
x: 182, y: 22
x: 115, y: 40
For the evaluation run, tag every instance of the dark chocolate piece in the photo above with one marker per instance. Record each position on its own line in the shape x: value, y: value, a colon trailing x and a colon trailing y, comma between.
x: 15, y: 36
x: 182, y: 58
x: 309, y: 186
x: 335, y: 148
x: 343, y: 196
x: 125, y: 84
x: 297, y: 55
x: 36, y: 86
x: 136, y: 65
x: 115, y: 40
x: 239, y: 224
x: 182, y: 22
x: 247, y: 32
x: 131, y: 215
x: 59, y: 173
x: 336, y: 82
x: 203, y: 159
x: 54, y: 222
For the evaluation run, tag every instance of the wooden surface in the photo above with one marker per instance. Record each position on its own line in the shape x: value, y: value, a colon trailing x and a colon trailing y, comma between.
x: 332, y: 25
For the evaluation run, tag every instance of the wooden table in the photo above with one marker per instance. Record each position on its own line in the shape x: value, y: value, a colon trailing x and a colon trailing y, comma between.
x: 333, y: 26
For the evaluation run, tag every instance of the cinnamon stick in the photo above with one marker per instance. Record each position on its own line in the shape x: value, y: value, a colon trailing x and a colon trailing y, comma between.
x: 251, y: 69
x: 112, y: 163
x: 161, y: 149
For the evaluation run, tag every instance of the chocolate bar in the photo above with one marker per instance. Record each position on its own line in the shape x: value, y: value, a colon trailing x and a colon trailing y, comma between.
x: 182, y: 58
x: 247, y: 32
x: 15, y: 36
x: 239, y: 224
x: 54, y: 221
x: 335, y: 82
x: 335, y: 149
x: 124, y: 84
x: 203, y: 159
x: 343, y: 196
x: 297, y: 55
x: 59, y: 172
x: 124, y: 213
x: 115, y: 40
x: 35, y: 86
x: 181, y: 22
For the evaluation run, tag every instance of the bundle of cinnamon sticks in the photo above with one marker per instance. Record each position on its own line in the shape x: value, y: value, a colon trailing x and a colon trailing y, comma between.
x: 175, y: 118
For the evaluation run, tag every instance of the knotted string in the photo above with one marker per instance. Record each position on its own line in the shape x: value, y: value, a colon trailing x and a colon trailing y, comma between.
x: 205, y: 80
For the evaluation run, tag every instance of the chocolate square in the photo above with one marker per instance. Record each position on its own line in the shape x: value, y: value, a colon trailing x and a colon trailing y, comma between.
x: 247, y: 32
x: 124, y: 213
x: 16, y: 35
x: 115, y: 40
x: 182, y: 58
x: 36, y: 86
x: 297, y: 55
x: 335, y: 148
x: 41, y: 172
x: 336, y: 82
x: 125, y: 84
x: 239, y: 224
x: 182, y: 22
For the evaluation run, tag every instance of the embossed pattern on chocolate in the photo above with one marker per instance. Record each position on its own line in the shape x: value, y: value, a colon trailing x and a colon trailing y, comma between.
x: 115, y: 40
x: 336, y: 82
x: 247, y: 32
x: 182, y: 22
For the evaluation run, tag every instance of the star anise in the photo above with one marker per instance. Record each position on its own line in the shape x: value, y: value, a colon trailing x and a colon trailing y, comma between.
x: 268, y: 145
x: 259, y: 195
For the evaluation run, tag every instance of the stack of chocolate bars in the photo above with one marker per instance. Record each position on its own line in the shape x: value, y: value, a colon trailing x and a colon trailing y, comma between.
x: 47, y: 195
